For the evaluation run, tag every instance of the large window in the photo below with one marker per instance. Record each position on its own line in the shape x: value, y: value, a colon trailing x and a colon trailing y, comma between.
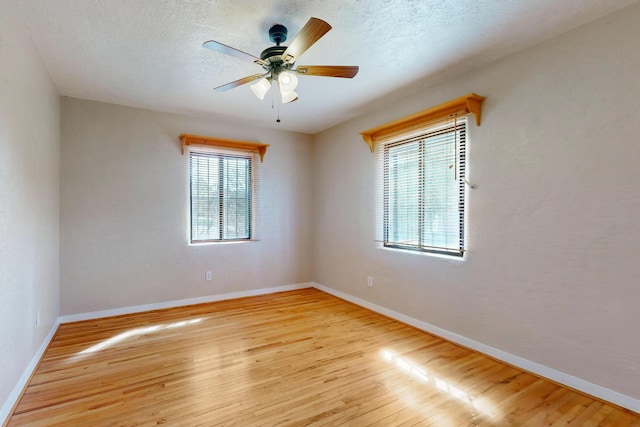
x: 222, y: 192
x: 423, y: 198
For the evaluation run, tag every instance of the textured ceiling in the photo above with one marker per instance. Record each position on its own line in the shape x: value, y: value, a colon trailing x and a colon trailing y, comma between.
x: 148, y: 53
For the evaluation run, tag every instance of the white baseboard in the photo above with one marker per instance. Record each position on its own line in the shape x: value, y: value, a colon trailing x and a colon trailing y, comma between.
x: 178, y: 303
x: 15, y: 394
x: 520, y: 362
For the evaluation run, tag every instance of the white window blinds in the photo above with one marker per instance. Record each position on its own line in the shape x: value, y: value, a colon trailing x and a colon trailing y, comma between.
x: 223, y: 194
x: 422, y: 189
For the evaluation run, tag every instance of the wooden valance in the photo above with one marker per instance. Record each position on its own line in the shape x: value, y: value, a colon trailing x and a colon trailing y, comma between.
x: 227, y: 143
x: 468, y: 104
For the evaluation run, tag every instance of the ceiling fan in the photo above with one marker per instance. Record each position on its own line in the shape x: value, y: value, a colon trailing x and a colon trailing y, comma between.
x: 278, y: 61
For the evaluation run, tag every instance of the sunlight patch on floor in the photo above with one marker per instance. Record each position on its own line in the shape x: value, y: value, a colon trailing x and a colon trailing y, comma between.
x: 135, y: 333
x: 426, y: 377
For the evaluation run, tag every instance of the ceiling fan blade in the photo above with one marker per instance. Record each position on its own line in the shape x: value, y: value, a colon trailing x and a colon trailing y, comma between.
x: 310, y: 33
x: 240, y: 82
x: 223, y: 48
x: 347, y: 72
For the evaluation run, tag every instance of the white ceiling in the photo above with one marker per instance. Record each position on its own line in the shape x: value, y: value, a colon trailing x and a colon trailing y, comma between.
x: 148, y: 53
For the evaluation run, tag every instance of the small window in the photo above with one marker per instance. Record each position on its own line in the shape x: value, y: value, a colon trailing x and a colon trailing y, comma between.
x: 222, y: 193
x: 423, y: 200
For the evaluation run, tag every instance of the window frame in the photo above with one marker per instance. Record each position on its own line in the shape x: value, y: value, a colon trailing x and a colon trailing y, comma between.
x: 457, y: 126
x: 223, y: 154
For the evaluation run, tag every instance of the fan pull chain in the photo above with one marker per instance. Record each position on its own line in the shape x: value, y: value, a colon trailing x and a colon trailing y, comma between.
x: 273, y: 97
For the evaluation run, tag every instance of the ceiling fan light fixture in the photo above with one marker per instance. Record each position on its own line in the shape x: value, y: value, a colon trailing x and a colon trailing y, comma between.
x: 261, y: 87
x: 287, y: 81
x: 288, y: 96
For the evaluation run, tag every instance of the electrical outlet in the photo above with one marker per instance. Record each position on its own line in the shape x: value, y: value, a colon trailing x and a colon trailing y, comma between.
x: 208, y: 276
x: 370, y: 281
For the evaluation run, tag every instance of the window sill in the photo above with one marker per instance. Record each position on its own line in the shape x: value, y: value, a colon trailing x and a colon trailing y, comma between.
x: 409, y: 252
x: 222, y: 242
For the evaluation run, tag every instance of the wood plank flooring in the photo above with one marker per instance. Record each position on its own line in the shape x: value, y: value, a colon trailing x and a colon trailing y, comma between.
x: 293, y: 358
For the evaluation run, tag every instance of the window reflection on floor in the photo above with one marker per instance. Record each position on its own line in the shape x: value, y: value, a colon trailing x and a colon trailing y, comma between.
x: 135, y: 333
x: 422, y: 375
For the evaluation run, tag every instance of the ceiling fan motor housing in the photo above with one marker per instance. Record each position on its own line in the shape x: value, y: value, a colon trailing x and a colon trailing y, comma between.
x: 273, y: 54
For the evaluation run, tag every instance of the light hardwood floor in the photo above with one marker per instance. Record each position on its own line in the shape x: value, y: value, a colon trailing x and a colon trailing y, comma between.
x: 292, y: 358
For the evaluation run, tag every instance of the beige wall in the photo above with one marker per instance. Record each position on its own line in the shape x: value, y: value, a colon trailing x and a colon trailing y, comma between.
x: 125, y: 211
x: 553, y: 231
x: 29, y: 203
